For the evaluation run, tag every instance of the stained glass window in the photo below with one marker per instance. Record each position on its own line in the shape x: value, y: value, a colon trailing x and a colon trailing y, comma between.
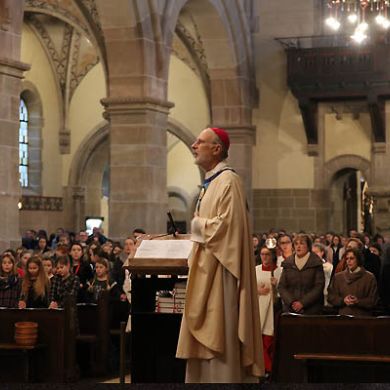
x: 23, y: 144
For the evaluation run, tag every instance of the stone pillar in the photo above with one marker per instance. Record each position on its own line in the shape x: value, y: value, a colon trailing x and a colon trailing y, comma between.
x: 11, y: 72
x: 379, y: 186
x: 138, y: 164
x: 242, y: 139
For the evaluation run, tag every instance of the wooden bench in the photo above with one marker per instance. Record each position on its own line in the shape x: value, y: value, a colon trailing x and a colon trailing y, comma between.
x: 30, y: 357
x: 55, y: 332
x: 310, y: 359
x: 331, y: 348
x: 94, y: 333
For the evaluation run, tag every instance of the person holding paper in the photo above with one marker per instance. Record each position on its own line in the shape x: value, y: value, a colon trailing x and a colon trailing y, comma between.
x: 220, y: 334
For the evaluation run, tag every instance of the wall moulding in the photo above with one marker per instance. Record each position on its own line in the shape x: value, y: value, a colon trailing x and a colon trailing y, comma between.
x: 124, y: 105
x: 39, y: 203
x: 13, y: 68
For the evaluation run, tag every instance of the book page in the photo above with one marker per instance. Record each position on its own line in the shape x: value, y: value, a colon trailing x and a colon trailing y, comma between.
x: 164, y: 249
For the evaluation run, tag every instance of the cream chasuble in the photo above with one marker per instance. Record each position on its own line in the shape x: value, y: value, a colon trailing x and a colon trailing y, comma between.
x: 220, y: 333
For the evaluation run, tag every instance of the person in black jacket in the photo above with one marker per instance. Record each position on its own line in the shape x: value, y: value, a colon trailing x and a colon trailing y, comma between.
x: 35, y: 285
x: 81, y: 268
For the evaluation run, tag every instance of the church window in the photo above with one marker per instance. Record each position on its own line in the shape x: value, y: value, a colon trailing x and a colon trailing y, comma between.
x: 23, y: 144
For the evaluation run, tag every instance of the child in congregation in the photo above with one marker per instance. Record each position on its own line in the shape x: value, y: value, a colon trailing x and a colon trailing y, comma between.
x: 64, y: 284
x: 9, y: 282
x: 48, y: 265
x: 35, y: 285
x: 81, y: 268
x: 21, y: 264
x: 102, y: 282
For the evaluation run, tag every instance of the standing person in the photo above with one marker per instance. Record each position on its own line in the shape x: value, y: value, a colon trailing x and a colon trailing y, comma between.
x: 48, y: 265
x: 102, y: 282
x: 35, y: 285
x: 42, y: 245
x: 267, y: 276
x: 256, y: 248
x: 286, y: 248
x: 21, y: 264
x: 64, y: 284
x: 320, y: 251
x: 335, y: 252
x: 354, y: 291
x: 9, y: 282
x: 220, y: 333
x: 301, y: 285
x: 81, y: 268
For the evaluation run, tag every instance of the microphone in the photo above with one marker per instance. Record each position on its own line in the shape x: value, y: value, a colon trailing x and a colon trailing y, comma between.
x: 173, y: 226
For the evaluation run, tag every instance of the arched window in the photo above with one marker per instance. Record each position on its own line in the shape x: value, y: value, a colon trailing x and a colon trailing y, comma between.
x: 23, y: 144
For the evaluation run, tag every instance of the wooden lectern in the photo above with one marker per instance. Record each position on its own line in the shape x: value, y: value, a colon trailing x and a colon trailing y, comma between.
x: 154, y: 335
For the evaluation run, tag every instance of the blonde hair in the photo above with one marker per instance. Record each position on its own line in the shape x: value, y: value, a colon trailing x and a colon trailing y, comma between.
x: 41, y: 284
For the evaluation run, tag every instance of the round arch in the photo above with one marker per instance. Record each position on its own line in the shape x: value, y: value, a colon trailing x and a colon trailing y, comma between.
x: 346, y: 161
x: 88, y: 166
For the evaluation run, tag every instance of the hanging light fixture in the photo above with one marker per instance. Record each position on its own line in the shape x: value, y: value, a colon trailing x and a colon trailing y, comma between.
x: 358, y: 15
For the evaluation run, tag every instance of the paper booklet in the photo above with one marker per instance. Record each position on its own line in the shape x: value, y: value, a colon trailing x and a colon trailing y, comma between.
x: 164, y: 249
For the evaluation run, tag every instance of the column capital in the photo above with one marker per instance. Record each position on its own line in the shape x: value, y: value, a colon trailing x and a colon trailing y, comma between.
x: 13, y: 68
x: 78, y: 192
x: 125, y: 104
x: 379, y: 147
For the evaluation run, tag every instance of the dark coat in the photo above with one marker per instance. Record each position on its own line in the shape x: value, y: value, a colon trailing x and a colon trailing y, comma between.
x: 305, y: 285
x: 361, y: 284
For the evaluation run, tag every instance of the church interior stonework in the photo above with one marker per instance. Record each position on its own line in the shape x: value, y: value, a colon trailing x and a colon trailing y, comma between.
x: 116, y: 92
x: 103, y: 104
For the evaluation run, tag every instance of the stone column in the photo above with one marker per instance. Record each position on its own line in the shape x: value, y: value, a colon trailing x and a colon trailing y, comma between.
x: 242, y: 139
x: 138, y: 164
x: 11, y: 72
x: 379, y: 186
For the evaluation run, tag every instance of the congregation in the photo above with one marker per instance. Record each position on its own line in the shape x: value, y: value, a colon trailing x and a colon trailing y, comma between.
x: 47, y: 269
x: 296, y: 273
x: 319, y: 274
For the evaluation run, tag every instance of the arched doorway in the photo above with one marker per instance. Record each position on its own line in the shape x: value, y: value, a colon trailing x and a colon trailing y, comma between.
x: 350, y: 208
x: 90, y: 185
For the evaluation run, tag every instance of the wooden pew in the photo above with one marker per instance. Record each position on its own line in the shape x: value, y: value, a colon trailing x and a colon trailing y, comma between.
x: 94, y: 333
x: 55, y: 334
x: 332, y: 349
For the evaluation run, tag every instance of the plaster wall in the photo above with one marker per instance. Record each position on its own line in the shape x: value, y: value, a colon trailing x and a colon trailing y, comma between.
x: 85, y: 112
x: 41, y: 75
x: 347, y: 136
x: 186, y: 90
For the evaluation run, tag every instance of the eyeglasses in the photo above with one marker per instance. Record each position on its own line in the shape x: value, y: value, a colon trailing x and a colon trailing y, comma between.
x: 201, y: 142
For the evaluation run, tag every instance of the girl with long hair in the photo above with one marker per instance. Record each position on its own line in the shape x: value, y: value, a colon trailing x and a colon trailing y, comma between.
x: 35, y: 285
x: 81, y: 268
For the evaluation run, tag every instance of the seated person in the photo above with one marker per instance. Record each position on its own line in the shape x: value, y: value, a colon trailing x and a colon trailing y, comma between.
x: 354, y: 290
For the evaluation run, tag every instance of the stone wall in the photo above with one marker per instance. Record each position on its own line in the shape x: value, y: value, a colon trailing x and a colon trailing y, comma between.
x: 290, y: 209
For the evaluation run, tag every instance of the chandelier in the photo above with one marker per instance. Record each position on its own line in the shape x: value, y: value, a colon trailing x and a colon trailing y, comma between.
x: 359, y: 15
